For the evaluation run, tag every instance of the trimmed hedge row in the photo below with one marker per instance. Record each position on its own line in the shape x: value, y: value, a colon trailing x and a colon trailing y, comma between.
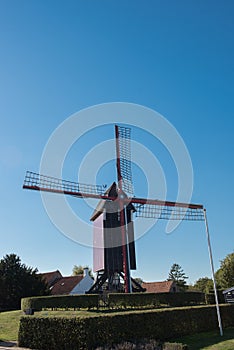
x: 88, y: 301
x: 155, y: 299
x: 210, y: 298
x: 88, y: 333
x: 115, y: 300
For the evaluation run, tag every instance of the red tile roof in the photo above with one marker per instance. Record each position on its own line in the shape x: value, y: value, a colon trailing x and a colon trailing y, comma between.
x: 51, y: 277
x: 159, y: 287
x: 65, y: 285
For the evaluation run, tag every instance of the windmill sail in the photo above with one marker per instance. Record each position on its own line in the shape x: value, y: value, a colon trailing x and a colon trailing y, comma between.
x: 165, y: 212
x: 34, y: 181
x: 124, y: 167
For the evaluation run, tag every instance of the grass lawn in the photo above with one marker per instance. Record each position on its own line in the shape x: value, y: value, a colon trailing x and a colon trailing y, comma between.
x: 9, y: 325
x: 9, y: 321
x: 210, y: 340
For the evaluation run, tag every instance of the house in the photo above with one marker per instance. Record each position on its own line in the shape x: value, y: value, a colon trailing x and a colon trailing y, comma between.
x: 71, y: 285
x: 51, y: 277
x: 229, y: 295
x: 160, y: 287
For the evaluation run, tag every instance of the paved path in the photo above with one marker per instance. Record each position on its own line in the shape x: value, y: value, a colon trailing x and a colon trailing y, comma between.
x: 10, y: 344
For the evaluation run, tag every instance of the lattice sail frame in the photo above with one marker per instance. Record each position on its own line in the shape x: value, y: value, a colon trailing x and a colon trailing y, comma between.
x: 48, y: 183
x: 153, y: 211
x: 125, y: 159
x: 150, y: 208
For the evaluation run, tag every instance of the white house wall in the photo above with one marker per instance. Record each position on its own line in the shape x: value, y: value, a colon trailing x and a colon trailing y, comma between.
x: 83, y: 286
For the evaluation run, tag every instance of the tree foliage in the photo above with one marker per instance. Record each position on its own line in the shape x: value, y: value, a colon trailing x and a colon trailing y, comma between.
x: 18, y: 281
x: 204, y: 284
x: 177, y: 275
x: 225, y: 275
x: 79, y: 270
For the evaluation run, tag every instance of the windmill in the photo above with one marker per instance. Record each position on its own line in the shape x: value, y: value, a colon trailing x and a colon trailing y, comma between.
x: 112, y: 217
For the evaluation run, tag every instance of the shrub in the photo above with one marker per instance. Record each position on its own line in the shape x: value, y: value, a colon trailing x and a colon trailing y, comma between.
x: 60, y: 302
x: 88, y: 333
x: 145, y: 344
x: 210, y: 297
x: 155, y: 299
x: 115, y: 300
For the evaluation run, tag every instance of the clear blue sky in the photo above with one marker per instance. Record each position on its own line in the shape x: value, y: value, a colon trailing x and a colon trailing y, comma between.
x: 176, y: 57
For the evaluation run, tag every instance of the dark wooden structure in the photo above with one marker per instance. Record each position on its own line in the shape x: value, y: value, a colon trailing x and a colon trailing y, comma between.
x: 107, y: 243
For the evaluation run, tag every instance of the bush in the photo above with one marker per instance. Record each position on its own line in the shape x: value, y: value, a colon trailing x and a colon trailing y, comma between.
x: 155, y: 299
x: 60, y: 302
x: 88, y: 333
x: 145, y: 344
x: 115, y: 300
x: 210, y: 298
x: 119, y: 300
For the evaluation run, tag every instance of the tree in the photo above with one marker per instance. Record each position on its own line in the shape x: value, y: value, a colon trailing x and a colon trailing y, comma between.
x: 177, y: 275
x: 18, y: 281
x: 225, y: 275
x: 219, y: 278
x: 79, y: 270
x: 204, y: 284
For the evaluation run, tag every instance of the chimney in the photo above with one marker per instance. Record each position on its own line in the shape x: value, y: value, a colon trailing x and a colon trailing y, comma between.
x: 86, y: 271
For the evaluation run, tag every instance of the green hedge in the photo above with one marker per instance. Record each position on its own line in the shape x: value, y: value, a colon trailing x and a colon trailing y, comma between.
x: 117, y: 300
x: 88, y: 301
x: 155, y: 299
x: 88, y: 333
x: 210, y: 298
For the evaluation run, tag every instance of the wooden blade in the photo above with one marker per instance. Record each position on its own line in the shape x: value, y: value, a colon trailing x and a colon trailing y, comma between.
x: 39, y: 182
x: 153, y: 208
x: 123, y: 158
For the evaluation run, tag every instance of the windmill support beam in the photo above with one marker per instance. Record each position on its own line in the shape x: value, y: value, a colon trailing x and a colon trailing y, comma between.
x: 121, y: 198
x: 126, y: 268
x: 102, y: 278
x: 96, y: 287
x: 69, y: 193
x: 38, y: 182
x: 213, y: 274
x: 165, y: 203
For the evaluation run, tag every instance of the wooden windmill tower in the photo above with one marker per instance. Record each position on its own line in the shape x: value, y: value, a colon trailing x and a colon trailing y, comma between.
x: 108, y: 254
